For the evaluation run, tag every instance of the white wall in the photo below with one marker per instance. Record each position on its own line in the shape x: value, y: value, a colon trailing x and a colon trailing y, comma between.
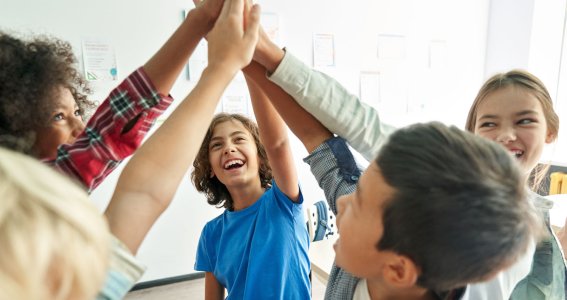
x: 530, y: 35
x: 138, y: 28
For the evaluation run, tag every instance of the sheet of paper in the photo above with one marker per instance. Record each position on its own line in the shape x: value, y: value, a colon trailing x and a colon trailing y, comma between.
x: 99, y: 60
x: 323, y: 50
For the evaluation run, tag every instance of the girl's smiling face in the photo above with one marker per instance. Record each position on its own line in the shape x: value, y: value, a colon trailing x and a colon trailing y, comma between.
x: 514, y: 117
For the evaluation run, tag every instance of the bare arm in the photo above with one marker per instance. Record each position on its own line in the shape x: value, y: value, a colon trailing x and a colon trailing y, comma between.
x: 213, y: 289
x: 273, y: 135
x: 309, y: 131
x: 164, y: 67
x: 150, y: 180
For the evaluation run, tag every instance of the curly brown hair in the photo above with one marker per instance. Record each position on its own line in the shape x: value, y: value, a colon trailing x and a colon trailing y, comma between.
x: 32, y: 72
x: 216, y: 192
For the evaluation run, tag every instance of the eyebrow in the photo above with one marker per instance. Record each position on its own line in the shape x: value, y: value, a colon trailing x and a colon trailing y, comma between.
x: 521, y: 113
x: 215, y: 138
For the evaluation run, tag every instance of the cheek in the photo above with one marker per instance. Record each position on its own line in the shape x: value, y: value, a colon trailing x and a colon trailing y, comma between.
x: 487, y: 135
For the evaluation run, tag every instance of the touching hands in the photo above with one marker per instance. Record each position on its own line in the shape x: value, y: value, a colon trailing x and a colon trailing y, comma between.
x: 234, y: 36
x: 209, y: 10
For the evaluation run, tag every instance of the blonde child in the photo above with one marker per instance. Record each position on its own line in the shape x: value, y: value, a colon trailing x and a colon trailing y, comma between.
x: 54, y: 243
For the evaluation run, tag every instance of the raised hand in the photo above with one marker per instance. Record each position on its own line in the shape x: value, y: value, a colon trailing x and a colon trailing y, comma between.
x: 209, y: 10
x: 232, y: 40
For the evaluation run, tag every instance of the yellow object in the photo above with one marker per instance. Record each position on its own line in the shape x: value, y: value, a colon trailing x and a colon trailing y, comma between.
x: 558, y: 183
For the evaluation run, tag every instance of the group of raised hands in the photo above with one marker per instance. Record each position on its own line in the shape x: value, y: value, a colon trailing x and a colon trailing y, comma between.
x: 235, y: 34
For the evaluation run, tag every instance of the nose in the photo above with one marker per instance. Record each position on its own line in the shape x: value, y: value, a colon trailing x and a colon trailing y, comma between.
x: 229, y: 148
x: 77, y: 126
x: 506, y: 135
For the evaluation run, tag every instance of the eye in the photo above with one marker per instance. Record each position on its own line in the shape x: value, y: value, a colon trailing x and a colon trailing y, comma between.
x: 78, y: 113
x: 487, y: 124
x: 239, y: 139
x: 58, y: 117
x: 526, y: 121
x: 215, y: 145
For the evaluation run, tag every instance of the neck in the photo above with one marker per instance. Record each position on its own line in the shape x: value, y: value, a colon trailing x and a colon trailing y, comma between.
x: 379, y: 290
x: 244, y: 196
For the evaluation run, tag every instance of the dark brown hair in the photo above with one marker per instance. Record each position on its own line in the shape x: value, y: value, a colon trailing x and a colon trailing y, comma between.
x: 216, y: 192
x: 460, y: 209
x: 31, y: 74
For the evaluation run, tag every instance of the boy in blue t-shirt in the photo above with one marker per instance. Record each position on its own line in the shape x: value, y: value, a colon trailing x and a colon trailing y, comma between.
x: 258, y: 247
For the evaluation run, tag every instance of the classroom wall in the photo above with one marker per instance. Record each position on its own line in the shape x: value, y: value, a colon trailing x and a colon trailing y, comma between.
x: 446, y: 49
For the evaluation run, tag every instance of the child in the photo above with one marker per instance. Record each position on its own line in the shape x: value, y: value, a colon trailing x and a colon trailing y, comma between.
x: 258, y: 247
x: 461, y: 194
x: 345, y: 115
x: 149, y: 181
x: 43, y: 105
x: 54, y: 242
x: 516, y: 110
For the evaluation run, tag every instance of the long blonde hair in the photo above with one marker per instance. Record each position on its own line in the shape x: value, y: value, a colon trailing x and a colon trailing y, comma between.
x: 54, y: 244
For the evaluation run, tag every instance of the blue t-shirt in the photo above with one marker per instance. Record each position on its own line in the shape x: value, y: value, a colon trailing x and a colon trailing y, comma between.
x: 260, y: 252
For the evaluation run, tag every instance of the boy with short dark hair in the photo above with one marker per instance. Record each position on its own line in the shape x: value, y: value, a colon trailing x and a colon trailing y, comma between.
x: 429, y: 216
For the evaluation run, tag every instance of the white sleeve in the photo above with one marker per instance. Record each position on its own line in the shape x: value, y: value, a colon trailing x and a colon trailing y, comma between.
x: 329, y: 102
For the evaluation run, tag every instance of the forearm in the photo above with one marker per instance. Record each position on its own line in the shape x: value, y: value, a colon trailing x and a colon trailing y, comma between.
x: 274, y: 137
x: 268, y: 54
x: 308, y: 129
x: 335, y: 170
x: 335, y: 107
x: 156, y: 165
x: 149, y: 181
x: 164, y: 67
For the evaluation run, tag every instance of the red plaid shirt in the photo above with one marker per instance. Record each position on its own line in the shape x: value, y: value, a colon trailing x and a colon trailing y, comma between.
x: 103, y: 145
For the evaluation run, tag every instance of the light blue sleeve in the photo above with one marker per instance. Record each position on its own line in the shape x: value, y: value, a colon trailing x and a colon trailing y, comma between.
x: 123, y: 273
x: 328, y: 101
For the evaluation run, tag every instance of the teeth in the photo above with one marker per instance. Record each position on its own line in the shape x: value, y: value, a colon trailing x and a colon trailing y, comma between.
x: 232, y: 163
x: 517, y: 153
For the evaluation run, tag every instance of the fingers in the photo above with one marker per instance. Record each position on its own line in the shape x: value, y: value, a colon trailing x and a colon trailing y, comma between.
x: 253, y: 26
x: 232, y: 7
x: 225, y: 8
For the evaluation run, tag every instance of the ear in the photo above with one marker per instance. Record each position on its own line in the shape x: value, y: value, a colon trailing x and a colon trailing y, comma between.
x: 400, y: 271
x: 550, y: 137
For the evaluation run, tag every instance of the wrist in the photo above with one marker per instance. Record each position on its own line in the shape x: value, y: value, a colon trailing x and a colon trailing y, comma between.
x: 202, y: 22
x: 269, y: 56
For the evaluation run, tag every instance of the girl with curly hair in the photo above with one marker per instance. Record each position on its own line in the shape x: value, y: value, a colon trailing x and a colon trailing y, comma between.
x: 249, y: 170
x: 44, y: 105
